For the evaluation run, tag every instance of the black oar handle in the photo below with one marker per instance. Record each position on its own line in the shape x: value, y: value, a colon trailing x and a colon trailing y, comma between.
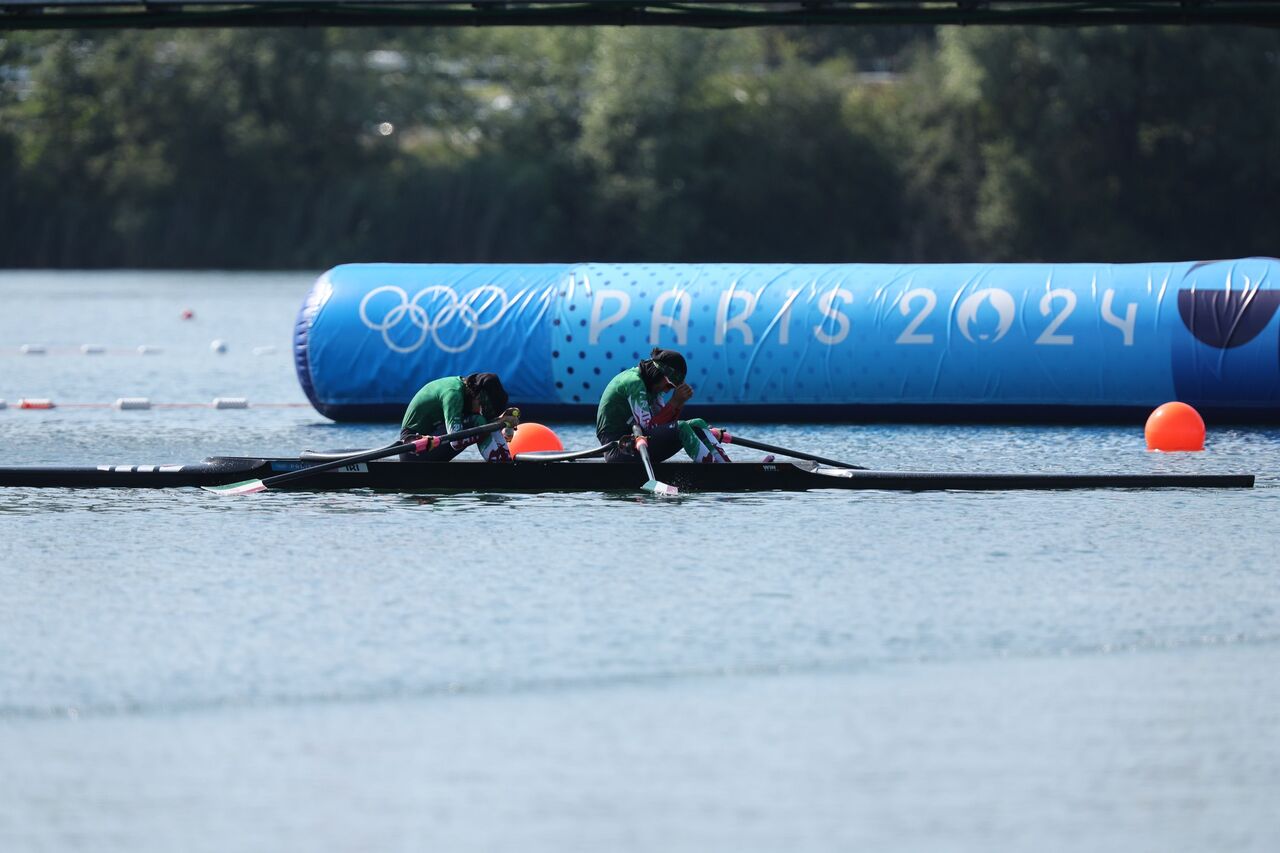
x: 794, y: 454
x: 382, y: 453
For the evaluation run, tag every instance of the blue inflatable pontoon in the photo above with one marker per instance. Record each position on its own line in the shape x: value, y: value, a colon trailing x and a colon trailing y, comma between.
x: 802, y: 342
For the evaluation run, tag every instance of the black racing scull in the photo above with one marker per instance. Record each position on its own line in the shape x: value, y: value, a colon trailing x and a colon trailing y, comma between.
x: 582, y: 476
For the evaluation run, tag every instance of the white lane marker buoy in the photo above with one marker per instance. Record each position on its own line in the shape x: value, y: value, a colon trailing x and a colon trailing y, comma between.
x: 230, y: 403
x: 123, y: 403
x: 219, y: 346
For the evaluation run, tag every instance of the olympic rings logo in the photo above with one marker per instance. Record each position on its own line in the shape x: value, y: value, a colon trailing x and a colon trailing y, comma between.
x: 431, y: 310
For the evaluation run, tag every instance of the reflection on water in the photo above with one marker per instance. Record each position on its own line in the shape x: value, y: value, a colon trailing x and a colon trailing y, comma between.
x: 461, y: 502
x: 582, y: 505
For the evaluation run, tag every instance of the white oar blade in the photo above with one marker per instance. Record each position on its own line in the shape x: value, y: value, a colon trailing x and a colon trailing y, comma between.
x: 247, y: 487
x: 660, y: 488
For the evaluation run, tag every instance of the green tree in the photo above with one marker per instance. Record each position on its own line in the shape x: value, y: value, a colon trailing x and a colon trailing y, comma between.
x: 711, y: 148
x: 1104, y: 143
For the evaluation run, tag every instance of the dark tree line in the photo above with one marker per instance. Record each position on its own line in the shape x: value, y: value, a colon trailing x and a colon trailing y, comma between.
x: 310, y: 147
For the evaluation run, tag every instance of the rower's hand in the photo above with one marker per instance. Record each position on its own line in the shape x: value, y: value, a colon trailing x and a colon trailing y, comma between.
x: 509, y: 419
x: 425, y: 443
x: 682, y: 394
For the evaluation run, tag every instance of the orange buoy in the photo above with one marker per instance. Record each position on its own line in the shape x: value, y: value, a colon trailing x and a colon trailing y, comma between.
x: 188, y: 314
x: 530, y: 437
x: 1175, y: 426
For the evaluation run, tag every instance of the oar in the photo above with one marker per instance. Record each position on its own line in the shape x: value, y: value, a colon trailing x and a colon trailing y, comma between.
x: 653, y: 485
x: 248, y: 487
x: 794, y: 454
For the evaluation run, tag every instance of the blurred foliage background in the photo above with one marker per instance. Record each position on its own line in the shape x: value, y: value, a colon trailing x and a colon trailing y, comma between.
x: 304, y: 148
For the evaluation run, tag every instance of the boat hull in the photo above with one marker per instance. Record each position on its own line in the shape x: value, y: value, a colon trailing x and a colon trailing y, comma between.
x: 583, y: 477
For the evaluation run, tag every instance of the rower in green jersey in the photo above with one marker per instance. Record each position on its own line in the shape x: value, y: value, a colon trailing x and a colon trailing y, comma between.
x: 455, y: 403
x: 652, y: 394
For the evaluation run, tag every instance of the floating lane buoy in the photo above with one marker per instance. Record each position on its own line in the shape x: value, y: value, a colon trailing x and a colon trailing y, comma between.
x: 1174, y: 427
x: 35, y: 403
x: 123, y: 403
x: 188, y: 314
x: 230, y: 403
x: 218, y: 345
x: 530, y: 437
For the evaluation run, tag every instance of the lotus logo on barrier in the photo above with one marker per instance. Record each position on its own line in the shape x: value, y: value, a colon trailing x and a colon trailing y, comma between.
x: 989, y: 300
x: 1224, y: 319
x: 434, y: 312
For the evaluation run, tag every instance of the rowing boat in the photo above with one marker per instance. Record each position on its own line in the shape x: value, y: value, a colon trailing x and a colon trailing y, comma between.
x: 582, y: 476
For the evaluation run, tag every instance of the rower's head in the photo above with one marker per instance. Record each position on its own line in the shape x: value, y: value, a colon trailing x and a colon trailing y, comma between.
x: 664, y: 369
x: 486, y: 393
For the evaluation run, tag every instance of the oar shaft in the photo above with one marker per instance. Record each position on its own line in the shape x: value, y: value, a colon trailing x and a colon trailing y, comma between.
x: 381, y: 453
x: 794, y: 454
x: 642, y: 447
x: 563, y: 455
x: 652, y: 485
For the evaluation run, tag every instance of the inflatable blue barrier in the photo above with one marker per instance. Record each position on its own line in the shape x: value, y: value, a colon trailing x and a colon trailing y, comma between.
x: 996, y: 342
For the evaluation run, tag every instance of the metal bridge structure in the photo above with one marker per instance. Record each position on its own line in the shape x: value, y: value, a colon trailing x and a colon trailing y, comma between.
x: 720, y: 14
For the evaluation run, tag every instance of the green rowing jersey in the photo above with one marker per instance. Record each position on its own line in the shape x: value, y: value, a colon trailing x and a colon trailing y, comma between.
x: 440, y: 408
x: 625, y: 401
x: 439, y: 403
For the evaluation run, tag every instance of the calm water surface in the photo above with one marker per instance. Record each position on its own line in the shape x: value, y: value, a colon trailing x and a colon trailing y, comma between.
x: 821, y: 671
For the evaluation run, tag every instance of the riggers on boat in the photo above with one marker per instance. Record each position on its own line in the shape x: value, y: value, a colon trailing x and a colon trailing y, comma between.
x: 578, y: 476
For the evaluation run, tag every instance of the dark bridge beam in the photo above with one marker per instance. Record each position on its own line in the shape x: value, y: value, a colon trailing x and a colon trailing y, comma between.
x: 155, y: 14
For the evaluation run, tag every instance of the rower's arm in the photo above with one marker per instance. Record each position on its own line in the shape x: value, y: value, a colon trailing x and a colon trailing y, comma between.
x: 455, y: 417
x: 668, y: 413
x: 671, y: 411
x: 641, y: 414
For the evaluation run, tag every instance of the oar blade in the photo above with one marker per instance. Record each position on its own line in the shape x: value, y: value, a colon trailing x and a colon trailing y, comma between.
x: 247, y: 487
x: 659, y: 488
